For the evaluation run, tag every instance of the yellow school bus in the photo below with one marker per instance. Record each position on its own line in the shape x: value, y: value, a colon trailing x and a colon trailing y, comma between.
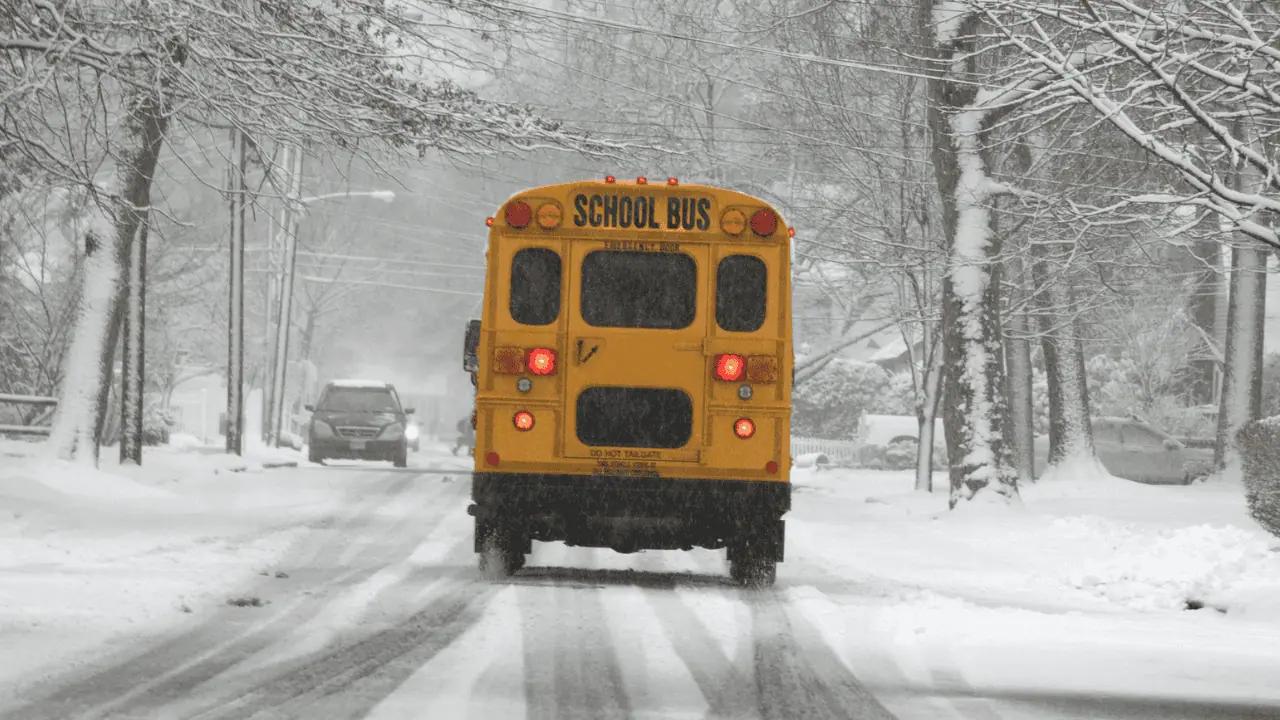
x: 633, y: 369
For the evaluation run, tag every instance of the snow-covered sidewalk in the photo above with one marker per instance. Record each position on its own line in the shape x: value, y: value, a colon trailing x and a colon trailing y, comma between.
x: 87, y: 555
x: 1092, y: 588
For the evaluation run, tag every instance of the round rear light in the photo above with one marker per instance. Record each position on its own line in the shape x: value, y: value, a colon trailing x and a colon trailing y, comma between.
x: 771, y: 467
x: 523, y: 420
x: 733, y: 222
x: 744, y: 428
x: 549, y: 216
x: 730, y: 367
x: 764, y: 222
x: 488, y: 222
x: 519, y: 214
x: 491, y: 458
x: 541, y: 361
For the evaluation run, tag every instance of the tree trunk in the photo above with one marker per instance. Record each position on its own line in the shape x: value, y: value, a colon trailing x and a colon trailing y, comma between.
x: 73, y: 435
x: 146, y: 123
x: 973, y: 394
x: 927, y: 414
x: 1018, y: 361
x: 1241, y: 399
x: 1070, y: 424
x: 133, y: 364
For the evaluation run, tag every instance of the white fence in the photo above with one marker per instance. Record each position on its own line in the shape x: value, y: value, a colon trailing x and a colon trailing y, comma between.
x: 839, y: 452
x: 37, y: 424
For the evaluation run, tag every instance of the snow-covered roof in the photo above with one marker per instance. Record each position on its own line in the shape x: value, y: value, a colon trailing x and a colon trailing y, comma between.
x: 357, y: 383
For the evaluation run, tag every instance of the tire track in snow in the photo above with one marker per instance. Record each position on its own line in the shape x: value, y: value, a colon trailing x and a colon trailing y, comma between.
x: 350, y: 680
x: 145, y: 682
x: 729, y: 692
x: 797, y: 673
x: 571, y: 668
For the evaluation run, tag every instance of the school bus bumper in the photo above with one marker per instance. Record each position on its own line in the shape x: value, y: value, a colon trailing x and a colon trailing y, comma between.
x: 631, y: 513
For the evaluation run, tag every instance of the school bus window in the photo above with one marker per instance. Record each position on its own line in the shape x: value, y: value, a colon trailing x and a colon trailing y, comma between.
x: 741, y: 285
x: 535, y: 286
x: 634, y: 417
x: 639, y: 289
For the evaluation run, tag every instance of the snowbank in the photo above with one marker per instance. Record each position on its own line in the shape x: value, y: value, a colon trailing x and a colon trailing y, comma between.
x: 86, y: 554
x: 1091, y: 586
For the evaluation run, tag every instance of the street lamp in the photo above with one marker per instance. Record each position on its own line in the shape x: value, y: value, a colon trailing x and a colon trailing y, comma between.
x: 285, y: 309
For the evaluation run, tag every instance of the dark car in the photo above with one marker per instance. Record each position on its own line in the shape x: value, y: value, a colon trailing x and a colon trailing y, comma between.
x: 361, y: 420
x: 1135, y: 450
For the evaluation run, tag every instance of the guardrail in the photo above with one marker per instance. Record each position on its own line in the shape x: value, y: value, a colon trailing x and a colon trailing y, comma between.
x: 35, y: 425
x: 840, y: 452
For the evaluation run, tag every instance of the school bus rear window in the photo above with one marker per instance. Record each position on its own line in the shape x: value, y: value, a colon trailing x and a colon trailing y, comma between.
x: 741, y: 282
x: 639, y: 289
x: 535, y: 286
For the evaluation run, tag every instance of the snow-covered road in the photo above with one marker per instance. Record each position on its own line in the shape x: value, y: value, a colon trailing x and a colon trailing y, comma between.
x: 377, y: 611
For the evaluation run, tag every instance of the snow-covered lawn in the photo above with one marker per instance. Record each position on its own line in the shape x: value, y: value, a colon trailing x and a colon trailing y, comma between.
x: 87, y: 556
x: 1088, y: 588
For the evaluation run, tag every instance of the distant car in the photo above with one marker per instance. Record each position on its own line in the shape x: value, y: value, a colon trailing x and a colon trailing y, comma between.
x: 359, y: 419
x: 891, y: 442
x: 1137, y: 451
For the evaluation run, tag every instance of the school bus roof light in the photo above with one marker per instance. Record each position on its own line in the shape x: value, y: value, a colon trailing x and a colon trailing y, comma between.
x: 642, y: 180
x: 542, y: 361
x: 523, y: 420
x: 609, y: 179
x: 673, y: 181
x: 764, y: 222
x: 519, y: 214
x: 549, y: 216
x: 730, y: 367
x: 733, y: 222
x: 744, y: 428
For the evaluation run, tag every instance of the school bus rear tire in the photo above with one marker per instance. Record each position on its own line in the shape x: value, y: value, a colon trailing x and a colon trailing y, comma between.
x: 752, y: 565
x: 499, y: 551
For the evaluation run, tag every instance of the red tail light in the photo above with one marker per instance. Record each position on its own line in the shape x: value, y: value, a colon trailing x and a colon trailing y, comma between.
x: 519, y: 214
x: 491, y: 458
x: 744, y: 428
x: 771, y: 467
x: 523, y: 420
x: 488, y: 222
x: 764, y: 222
x: 542, y: 361
x: 730, y: 367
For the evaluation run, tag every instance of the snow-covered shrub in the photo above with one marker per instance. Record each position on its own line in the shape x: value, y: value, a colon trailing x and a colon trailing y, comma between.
x: 1260, y: 453
x: 157, y: 423
x: 829, y: 404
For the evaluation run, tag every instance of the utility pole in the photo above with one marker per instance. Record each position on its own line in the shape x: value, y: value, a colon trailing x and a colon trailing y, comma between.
x: 283, y: 319
x: 236, y: 194
x: 274, y: 279
x: 133, y: 356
